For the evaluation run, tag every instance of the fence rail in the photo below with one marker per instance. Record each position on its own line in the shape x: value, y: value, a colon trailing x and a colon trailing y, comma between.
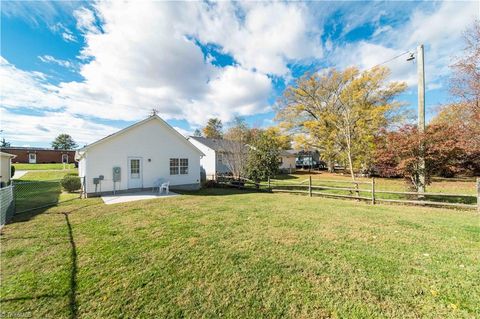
x: 355, y: 192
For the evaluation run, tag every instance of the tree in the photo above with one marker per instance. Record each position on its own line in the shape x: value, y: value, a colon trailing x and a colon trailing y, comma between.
x: 238, y: 131
x: 234, y: 156
x: 4, y: 143
x: 283, y: 141
x: 263, y: 157
x: 197, y: 133
x: 342, y: 111
x: 64, y: 142
x: 213, y: 129
x: 465, y: 83
x: 398, y: 154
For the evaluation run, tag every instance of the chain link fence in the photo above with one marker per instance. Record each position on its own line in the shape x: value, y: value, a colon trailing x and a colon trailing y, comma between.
x: 7, y: 204
x: 30, y: 195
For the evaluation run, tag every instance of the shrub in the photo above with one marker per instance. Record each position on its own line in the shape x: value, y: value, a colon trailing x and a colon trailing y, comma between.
x: 12, y: 171
x: 72, y: 174
x: 210, y: 184
x: 71, y: 183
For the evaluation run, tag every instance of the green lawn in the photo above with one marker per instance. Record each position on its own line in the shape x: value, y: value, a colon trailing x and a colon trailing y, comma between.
x: 218, y: 253
x: 40, y: 188
x: 46, y: 175
x: 32, y: 167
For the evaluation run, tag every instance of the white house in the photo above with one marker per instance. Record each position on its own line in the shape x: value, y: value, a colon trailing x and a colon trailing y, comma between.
x: 288, y: 160
x: 5, y: 168
x: 138, y: 156
x: 217, y: 153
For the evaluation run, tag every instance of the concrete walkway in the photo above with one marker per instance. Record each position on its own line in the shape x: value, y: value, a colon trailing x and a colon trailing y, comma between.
x: 19, y: 174
x: 131, y: 197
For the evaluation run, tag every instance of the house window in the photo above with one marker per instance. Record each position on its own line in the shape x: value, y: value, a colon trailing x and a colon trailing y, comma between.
x: 178, y: 166
x: 184, y: 166
x: 135, y: 168
x: 174, y: 169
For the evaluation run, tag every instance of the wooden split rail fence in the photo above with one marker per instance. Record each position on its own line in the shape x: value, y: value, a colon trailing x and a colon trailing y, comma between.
x: 355, y: 191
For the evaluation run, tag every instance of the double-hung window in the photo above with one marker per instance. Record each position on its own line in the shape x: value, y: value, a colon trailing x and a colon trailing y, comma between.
x: 178, y: 166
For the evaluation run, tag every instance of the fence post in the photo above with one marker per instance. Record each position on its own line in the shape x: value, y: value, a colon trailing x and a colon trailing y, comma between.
x: 478, y: 195
x: 269, y: 183
x: 373, y: 190
x: 310, y: 185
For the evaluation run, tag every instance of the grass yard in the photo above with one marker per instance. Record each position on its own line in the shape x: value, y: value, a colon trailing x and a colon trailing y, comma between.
x: 40, y: 188
x: 35, y: 167
x: 221, y: 253
x: 46, y: 175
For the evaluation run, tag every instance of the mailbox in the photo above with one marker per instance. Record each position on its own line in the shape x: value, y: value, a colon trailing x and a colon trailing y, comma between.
x: 116, y: 174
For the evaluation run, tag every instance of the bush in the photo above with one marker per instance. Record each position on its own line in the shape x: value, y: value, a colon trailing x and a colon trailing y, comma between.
x: 210, y: 184
x: 71, y: 183
x: 12, y: 171
x: 72, y: 174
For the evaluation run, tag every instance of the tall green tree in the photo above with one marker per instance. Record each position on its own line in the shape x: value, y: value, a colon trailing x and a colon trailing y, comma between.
x: 4, y: 143
x: 263, y: 157
x: 341, y: 111
x: 213, y: 129
x: 64, y: 142
x: 197, y: 133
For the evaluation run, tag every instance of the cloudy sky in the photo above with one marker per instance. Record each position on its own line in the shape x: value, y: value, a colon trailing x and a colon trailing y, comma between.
x: 91, y: 68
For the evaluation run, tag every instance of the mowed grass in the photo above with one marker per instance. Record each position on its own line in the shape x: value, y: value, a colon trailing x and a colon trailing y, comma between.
x: 40, y: 188
x: 33, y: 167
x: 222, y: 253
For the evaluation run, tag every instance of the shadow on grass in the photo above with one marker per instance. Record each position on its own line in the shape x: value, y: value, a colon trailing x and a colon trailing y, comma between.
x: 28, y: 215
x: 72, y: 295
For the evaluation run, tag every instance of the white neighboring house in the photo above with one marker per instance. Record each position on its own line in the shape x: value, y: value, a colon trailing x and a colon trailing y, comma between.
x: 217, y: 153
x: 5, y: 168
x: 288, y: 161
x: 144, y: 153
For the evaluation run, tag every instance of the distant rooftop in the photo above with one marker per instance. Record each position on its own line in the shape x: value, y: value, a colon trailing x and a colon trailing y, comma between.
x: 217, y: 144
x: 27, y: 148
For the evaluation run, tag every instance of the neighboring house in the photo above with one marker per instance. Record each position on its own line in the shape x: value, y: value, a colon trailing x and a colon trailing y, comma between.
x: 5, y: 168
x: 137, y: 157
x: 288, y: 160
x: 218, y: 152
x: 37, y: 155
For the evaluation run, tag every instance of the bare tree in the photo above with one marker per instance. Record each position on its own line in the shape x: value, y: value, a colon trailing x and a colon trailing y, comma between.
x: 235, y: 156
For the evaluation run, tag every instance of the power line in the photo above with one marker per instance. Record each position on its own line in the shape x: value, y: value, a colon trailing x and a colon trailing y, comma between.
x: 389, y: 60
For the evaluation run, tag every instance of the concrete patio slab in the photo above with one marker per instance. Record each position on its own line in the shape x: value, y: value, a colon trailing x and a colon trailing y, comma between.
x: 131, y: 197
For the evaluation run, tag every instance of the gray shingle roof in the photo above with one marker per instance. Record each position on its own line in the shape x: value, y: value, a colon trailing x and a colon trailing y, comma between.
x: 219, y: 145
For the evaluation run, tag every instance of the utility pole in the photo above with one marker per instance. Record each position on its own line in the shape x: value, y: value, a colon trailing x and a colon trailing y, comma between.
x: 421, y: 114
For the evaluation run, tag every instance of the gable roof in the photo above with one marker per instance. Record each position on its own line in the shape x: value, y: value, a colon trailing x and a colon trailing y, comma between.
x: 128, y: 128
x: 7, y: 154
x: 218, y: 144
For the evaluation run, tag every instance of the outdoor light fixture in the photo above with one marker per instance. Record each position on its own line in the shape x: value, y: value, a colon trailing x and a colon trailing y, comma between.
x: 411, y: 57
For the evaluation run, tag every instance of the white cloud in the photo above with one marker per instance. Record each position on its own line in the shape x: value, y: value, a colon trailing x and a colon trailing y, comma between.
x: 51, y: 59
x: 22, y: 89
x: 266, y: 36
x: 439, y: 29
x: 43, y: 129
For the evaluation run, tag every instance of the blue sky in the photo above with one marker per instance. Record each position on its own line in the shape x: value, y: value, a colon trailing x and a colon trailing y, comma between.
x: 91, y: 68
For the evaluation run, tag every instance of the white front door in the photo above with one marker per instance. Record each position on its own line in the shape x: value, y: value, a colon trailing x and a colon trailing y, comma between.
x: 135, y: 172
x: 32, y: 158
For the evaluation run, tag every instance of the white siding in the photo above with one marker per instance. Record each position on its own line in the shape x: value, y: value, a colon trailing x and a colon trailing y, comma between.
x: 207, y: 162
x: 150, y: 140
x: 5, y: 168
x: 288, y: 163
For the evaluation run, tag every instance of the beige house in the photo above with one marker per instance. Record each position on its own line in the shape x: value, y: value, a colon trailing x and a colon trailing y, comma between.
x: 5, y: 168
x: 288, y: 160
